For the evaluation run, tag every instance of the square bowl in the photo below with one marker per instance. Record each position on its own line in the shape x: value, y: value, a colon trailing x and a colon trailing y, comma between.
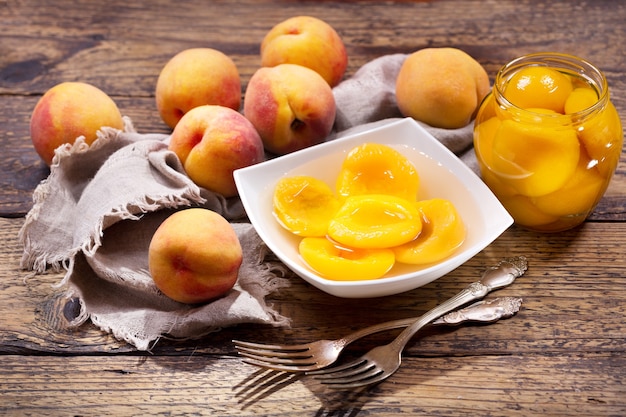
x: 442, y: 175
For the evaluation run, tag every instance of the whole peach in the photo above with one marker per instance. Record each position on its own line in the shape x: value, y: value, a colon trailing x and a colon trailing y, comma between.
x: 194, y: 256
x: 291, y: 106
x: 213, y: 141
x: 195, y: 77
x: 69, y: 110
x: 306, y: 41
x: 441, y: 87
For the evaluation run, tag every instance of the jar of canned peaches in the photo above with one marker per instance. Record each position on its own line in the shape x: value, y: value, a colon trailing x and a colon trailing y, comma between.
x: 548, y: 140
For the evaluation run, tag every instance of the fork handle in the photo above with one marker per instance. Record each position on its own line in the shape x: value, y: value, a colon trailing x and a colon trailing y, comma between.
x: 483, y: 311
x: 497, y: 277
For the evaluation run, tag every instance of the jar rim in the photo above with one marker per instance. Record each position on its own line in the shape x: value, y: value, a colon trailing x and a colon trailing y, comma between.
x: 555, y: 60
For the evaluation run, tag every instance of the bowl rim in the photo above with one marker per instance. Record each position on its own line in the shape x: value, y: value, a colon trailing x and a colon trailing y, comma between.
x: 499, y: 218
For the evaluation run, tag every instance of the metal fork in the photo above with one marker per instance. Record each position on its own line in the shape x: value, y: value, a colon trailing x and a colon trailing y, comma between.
x: 382, y: 361
x: 322, y: 353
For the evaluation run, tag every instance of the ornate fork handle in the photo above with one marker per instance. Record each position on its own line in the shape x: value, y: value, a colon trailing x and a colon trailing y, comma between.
x: 485, y: 311
x: 507, y: 269
x: 496, y: 277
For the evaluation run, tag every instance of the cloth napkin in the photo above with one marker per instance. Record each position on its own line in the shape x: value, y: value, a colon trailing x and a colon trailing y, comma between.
x: 95, y: 214
x: 368, y: 99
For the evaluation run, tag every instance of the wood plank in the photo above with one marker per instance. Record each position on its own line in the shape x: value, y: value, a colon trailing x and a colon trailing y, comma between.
x: 112, y: 47
x: 563, y: 354
x: 572, y: 293
x: 116, y: 37
x: 554, y: 385
x: 21, y: 168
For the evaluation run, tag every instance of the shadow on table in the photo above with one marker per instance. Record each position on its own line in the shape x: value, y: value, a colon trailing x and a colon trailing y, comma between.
x: 263, y: 383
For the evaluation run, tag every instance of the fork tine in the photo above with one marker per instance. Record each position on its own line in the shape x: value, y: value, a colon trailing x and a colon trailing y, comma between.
x: 260, y: 353
x: 376, y: 375
x: 261, y: 346
x: 335, y: 369
x: 288, y: 358
x: 351, y: 370
x: 362, y: 378
x: 280, y: 367
x: 304, y: 360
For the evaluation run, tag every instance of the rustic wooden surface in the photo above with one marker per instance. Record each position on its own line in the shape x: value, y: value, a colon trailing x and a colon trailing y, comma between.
x: 562, y: 354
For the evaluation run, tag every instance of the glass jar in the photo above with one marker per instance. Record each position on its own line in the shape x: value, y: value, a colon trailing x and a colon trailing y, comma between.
x: 548, y: 140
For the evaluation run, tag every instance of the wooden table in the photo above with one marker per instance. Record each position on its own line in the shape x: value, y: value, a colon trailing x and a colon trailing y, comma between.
x: 563, y: 354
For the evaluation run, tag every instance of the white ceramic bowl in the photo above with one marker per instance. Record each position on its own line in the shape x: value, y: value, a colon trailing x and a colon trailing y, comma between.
x: 442, y: 174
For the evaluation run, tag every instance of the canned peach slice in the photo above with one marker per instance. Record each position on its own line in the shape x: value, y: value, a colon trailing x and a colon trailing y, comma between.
x: 601, y: 136
x: 580, y: 98
x: 304, y: 205
x: 580, y: 192
x: 525, y: 212
x: 484, y: 135
x: 498, y: 185
x: 375, y: 221
x: 535, y: 159
x: 345, y: 264
x: 442, y: 233
x: 539, y: 86
x: 373, y: 168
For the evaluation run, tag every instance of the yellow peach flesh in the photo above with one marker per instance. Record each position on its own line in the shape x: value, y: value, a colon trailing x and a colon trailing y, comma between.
x: 304, y: 205
x: 345, y: 264
x: 372, y: 168
x: 442, y: 233
x: 375, y: 221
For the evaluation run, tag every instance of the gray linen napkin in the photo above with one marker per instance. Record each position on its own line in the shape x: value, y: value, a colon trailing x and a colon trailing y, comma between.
x: 95, y: 214
x: 368, y: 99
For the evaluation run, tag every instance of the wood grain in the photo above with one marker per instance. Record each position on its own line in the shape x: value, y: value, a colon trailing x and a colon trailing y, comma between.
x: 563, y: 354
x: 218, y: 386
x: 121, y: 48
x: 570, y: 304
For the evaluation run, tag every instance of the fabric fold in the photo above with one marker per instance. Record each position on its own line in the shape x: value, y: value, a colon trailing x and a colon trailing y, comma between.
x: 95, y: 214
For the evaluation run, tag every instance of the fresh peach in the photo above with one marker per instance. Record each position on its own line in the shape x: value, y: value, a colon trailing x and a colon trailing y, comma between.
x: 194, y: 256
x: 195, y: 77
x: 306, y: 41
x: 213, y: 141
x: 441, y: 87
x: 69, y: 110
x: 291, y: 106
